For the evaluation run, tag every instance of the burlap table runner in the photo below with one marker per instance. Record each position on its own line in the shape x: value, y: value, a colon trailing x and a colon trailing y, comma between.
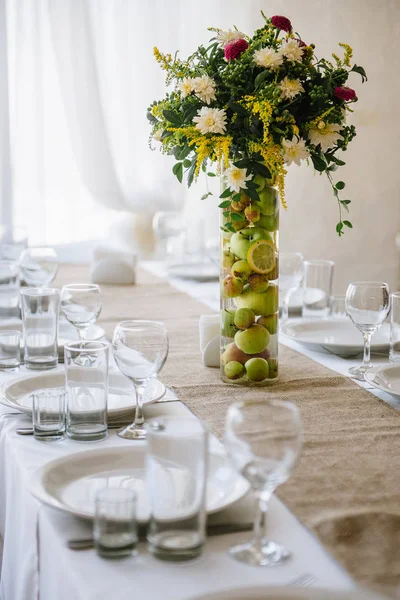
x: 347, y: 485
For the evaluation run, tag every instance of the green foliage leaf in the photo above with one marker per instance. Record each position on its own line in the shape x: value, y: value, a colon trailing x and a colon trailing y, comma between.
x: 177, y: 170
x: 242, y: 163
x: 224, y: 204
x: 191, y: 172
x: 360, y: 71
x: 226, y: 213
x: 151, y: 117
x: 337, y: 161
x: 262, y: 170
x: 211, y: 174
x: 348, y: 224
x: 230, y: 227
x: 172, y: 117
x: 236, y: 217
x: 205, y: 196
x: 237, y: 108
x: 181, y: 152
x: 340, y: 185
x: 318, y: 162
x: 187, y: 163
x: 339, y: 228
x: 226, y: 193
x: 236, y: 197
x: 253, y: 194
x: 259, y: 80
x: 190, y: 113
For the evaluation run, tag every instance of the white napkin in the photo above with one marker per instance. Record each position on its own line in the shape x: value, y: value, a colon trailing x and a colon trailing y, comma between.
x: 209, y: 328
x: 113, y: 265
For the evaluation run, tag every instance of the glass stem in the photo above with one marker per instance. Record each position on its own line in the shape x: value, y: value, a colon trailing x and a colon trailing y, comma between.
x: 367, y: 349
x: 261, y: 519
x: 82, y: 334
x: 139, y: 418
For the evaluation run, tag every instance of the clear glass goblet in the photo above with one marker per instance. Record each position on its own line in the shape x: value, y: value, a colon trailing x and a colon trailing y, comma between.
x: 140, y: 350
x: 291, y: 270
x: 38, y: 266
x: 368, y: 305
x: 81, y: 304
x: 263, y: 440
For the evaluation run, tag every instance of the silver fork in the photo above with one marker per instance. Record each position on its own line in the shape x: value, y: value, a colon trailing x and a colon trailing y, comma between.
x: 304, y: 581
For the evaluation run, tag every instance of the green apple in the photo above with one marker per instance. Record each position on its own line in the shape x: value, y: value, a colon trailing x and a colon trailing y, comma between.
x: 227, y: 327
x: 239, y: 205
x: 252, y: 213
x: 242, y: 240
x: 238, y: 225
x: 268, y: 201
x: 257, y: 369
x: 252, y: 340
x: 270, y: 323
x: 266, y: 303
x: 232, y: 353
x: 227, y: 260
x: 242, y: 269
x: 244, y: 318
x: 234, y: 369
x: 260, y: 182
x: 231, y: 286
x: 270, y: 223
x: 258, y: 283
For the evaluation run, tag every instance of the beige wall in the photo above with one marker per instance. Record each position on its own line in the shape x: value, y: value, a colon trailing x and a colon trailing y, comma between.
x: 372, y: 173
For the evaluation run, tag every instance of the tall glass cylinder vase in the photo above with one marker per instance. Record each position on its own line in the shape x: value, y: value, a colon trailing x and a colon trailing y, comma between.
x: 249, y: 286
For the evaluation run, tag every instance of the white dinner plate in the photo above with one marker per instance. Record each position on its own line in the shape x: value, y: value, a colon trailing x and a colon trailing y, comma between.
x: 70, y: 483
x: 337, y: 336
x: 287, y: 593
x: 385, y: 378
x: 197, y: 272
x: 17, y: 393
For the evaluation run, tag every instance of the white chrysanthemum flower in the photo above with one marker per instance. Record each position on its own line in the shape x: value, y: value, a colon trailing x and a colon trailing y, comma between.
x: 290, y: 88
x: 291, y: 50
x: 186, y: 86
x: 226, y: 37
x: 294, y: 150
x: 268, y: 58
x: 157, y: 135
x: 204, y: 88
x: 210, y: 120
x: 236, y: 178
x: 326, y: 134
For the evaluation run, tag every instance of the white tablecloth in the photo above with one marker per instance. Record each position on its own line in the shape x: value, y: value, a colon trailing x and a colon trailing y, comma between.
x: 35, y: 554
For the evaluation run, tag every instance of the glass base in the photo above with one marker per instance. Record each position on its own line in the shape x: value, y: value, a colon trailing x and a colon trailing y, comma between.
x: 175, y: 545
x: 85, y: 436
x: 267, y: 554
x: 132, y: 432
x: 359, y: 372
x: 49, y: 437
x: 41, y: 365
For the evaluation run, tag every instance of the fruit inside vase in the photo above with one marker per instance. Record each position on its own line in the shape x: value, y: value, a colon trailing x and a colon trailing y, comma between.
x: 249, y: 289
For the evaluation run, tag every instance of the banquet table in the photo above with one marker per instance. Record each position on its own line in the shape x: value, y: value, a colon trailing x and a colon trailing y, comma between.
x: 36, y: 562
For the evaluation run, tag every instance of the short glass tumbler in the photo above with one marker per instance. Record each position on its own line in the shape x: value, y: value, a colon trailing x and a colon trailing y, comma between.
x: 177, y: 453
x: 40, y: 309
x: 48, y: 414
x: 10, y: 351
x: 86, y: 367
x: 394, y: 355
x: 9, y: 289
x: 115, y: 527
x: 317, y: 287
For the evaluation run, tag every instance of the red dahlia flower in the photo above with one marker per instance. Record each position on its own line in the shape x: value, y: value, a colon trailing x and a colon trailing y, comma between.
x: 300, y: 42
x: 281, y: 23
x: 345, y: 93
x: 235, y: 49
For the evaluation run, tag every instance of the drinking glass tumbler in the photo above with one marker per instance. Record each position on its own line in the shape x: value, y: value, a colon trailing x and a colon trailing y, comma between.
x: 13, y: 241
x: 48, y: 414
x: 9, y: 289
x: 291, y: 270
x: 115, y: 527
x: 38, y: 266
x: 317, y: 287
x: 40, y: 309
x: 337, y: 306
x: 176, y: 471
x: 86, y: 367
x: 394, y: 354
x: 10, y: 350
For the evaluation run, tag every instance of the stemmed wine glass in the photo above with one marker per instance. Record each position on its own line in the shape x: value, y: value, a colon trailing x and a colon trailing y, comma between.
x: 263, y: 440
x: 140, y: 350
x: 38, y: 266
x: 291, y: 269
x: 81, y: 305
x: 368, y: 305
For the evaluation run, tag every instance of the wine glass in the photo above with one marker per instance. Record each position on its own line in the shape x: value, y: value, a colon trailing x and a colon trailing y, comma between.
x: 140, y: 350
x: 81, y: 305
x: 263, y: 440
x: 38, y: 266
x: 368, y: 305
x: 291, y: 269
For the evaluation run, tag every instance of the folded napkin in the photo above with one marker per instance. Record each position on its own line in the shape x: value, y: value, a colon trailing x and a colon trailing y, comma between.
x: 113, y: 265
x: 209, y: 327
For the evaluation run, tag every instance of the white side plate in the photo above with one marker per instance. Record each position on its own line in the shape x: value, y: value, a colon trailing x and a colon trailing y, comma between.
x: 196, y: 272
x: 70, y: 483
x: 385, y: 378
x: 337, y: 336
x: 17, y: 394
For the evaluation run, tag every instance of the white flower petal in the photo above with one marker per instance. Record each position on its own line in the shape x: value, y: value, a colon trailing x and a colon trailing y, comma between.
x: 294, y: 150
x: 267, y: 58
x: 210, y: 120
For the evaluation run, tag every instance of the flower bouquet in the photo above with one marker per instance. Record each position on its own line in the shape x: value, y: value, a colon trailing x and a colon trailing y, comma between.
x: 246, y: 108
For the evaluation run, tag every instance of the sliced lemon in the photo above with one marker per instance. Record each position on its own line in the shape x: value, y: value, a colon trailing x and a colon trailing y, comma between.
x: 261, y: 256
